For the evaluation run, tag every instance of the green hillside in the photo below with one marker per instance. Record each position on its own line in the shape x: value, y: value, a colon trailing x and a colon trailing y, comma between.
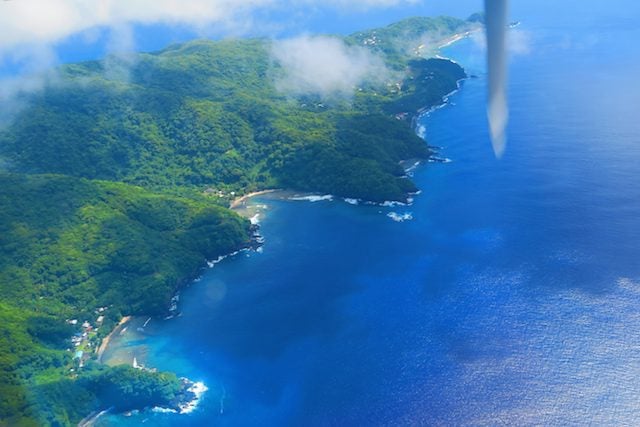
x: 69, y: 246
x: 116, y: 176
x: 207, y: 114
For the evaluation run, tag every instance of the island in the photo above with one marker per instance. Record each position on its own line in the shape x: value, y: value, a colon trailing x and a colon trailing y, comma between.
x: 115, y: 188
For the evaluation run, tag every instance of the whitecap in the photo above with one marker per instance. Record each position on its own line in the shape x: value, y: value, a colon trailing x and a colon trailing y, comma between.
x: 198, y: 389
x: 407, y: 216
x: 412, y: 167
x: 392, y: 204
x: 215, y: 261
x: 313, y: 198
x: 434, y: 159
x: 161, y: 410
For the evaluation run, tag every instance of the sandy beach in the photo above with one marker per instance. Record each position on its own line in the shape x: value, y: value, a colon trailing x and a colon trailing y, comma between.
x: 240, y: 200
x: 91, y: 419
x: 239, y: 205
x: 105, y: 342
x: 457, y: 37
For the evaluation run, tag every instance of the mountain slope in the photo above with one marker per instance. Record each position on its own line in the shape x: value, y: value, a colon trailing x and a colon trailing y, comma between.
x: 102, y: 204
x: 208, y: 114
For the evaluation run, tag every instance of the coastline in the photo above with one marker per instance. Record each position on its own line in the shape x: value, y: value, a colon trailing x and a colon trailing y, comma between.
x: 237, y: 202
x: 239, y: 205
x: 457, y: 37
x: 425, y: 51
x: 92, y: 418
x: 106, y: 340
x: 426, y: 111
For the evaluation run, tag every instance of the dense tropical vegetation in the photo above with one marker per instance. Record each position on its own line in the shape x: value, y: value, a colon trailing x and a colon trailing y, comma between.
x: 207, y: 114
x: 116, y: 176
x: 69, y: 246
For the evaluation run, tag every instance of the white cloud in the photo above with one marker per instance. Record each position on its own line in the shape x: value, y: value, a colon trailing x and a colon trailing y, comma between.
x: 324, y: 66
x: 30, y: 29
x: 32, y: 26
x: 12, y: 89
x: 518, y: 41
x: 360, y: 4
x: 37, y: 72
x: 49, y: 21
x: 121, y: 44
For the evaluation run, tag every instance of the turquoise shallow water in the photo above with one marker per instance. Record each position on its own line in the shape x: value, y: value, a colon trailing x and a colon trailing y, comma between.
x: 511, y: 297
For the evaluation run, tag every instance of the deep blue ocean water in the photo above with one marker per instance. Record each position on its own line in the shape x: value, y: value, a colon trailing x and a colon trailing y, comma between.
x: 512, y: 297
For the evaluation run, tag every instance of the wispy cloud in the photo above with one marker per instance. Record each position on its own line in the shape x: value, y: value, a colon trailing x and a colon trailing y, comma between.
x: 49, y: 21
x: 121, y: 45
x: 324, y: 66
x: 36, y: 73
x: 358, y: 4
x: 31, y: 29
x: 519, y: 42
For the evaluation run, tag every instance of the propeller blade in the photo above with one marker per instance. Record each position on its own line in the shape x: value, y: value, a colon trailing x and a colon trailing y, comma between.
x: 496, y: 14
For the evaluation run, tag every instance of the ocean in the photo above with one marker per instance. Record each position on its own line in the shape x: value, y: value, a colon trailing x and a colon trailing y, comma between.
x: 510, y: 295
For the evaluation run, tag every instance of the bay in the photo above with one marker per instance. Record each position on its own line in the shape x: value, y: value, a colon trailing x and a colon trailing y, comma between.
x: 511, y: 297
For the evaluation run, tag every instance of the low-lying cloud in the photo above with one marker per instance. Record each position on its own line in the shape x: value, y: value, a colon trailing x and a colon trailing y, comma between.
x: 49, y: 21
x: 36, y: 74
x: 31, y: 30
x: 360, y: 4
x: 26, y: 22
x: 325, y: 66
x: 519, y: 42
x: 121, y: 44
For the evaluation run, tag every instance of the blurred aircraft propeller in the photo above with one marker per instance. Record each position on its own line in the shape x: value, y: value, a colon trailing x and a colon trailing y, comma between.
x: 496, y: 13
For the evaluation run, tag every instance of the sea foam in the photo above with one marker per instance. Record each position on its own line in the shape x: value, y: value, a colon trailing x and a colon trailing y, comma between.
x: 198, y: 389
x: 161, y: 410
x: 313, y: 198
x: 407, y: 216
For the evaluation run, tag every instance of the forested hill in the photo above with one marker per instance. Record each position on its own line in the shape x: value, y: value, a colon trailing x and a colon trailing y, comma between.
x: 208, y: 114
x: 72, y: 248
x: 110, y: 197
